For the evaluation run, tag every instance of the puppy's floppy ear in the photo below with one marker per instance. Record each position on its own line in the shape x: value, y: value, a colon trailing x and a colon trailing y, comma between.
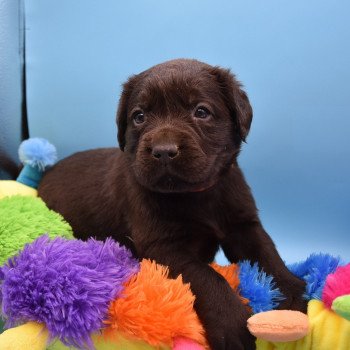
x: 236, y: 100
x: 122, y: 113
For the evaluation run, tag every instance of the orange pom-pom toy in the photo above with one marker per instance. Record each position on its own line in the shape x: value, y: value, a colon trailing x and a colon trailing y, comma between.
x: 155, y: 308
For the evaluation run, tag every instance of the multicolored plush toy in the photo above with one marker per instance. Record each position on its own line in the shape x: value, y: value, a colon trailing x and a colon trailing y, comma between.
x: 69, y: 290
x: 64, y: 292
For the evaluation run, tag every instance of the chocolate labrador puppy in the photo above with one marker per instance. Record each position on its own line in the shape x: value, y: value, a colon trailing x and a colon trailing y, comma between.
x: 174, y: 192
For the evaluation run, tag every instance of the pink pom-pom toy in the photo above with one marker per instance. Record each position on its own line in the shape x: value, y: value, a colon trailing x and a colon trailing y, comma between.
x: 181, y: 343
x: 336, y: 293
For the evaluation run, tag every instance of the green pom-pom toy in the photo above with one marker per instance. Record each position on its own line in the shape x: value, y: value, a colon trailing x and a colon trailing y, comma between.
x: 341, y: 306
x: 25, y: 218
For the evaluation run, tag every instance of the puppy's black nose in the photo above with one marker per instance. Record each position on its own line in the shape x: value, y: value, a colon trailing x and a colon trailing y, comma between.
x: 165, y: 152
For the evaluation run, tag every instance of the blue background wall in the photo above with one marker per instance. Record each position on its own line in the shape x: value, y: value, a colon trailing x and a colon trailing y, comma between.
x: 293, y: 58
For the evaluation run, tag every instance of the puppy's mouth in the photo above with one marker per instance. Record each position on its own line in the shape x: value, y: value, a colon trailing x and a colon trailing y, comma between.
x: 172, y: 184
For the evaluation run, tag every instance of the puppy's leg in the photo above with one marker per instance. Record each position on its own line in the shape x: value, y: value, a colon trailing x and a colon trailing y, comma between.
x: 221, y: 312
x: 248, y: 240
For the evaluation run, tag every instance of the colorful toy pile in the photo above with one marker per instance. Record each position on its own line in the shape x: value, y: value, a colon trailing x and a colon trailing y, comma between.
x: 57, y: 292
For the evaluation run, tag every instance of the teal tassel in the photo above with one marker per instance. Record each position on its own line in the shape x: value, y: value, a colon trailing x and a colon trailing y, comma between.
x: 30, y: 176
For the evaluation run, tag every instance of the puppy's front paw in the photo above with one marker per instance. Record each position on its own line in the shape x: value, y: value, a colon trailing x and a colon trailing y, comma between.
x: 293, y: 290
x: 231, y: 334
x: 230, y: 339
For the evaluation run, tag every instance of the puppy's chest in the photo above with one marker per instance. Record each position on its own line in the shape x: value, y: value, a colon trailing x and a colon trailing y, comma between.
x: 206, y: 227
x: 200, y: 219
x: 202, y: 238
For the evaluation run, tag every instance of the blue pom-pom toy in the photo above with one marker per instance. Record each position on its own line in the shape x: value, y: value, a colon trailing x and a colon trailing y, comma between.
x: 37, y: 155
x: 314, y: 271
x: 258, y: 287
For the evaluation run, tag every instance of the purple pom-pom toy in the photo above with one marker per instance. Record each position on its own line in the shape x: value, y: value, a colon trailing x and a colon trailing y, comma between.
x: 65, y: 284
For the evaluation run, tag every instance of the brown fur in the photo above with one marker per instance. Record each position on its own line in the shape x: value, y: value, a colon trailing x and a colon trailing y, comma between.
x: 174, y: 192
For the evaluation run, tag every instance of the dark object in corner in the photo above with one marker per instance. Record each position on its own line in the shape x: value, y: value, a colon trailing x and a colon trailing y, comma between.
x: 9, y: 169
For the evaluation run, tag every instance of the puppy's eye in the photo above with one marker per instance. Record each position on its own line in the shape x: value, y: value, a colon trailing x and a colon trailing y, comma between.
x: 138, y: 118
x: 202, y: 112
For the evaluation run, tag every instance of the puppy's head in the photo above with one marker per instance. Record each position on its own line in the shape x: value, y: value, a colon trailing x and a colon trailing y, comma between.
x: 181, y: 124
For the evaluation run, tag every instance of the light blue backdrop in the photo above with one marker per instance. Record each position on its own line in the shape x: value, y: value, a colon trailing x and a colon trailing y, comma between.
x: 293, y: 58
